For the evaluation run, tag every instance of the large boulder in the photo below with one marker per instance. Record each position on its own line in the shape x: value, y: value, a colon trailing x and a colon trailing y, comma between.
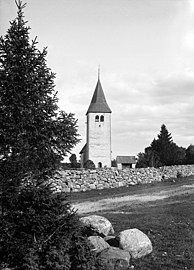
x: 135, y: 242
x: 98, y: 243
x: 97, y: 225
x: 114, y: 259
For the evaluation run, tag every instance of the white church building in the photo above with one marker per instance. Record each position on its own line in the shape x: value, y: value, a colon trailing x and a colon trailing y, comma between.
x: 98, y: 134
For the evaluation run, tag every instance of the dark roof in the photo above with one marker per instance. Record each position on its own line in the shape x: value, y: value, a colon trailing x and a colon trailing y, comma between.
x: 83, y: 149
x: 98, y: 103
x: 126, y: 159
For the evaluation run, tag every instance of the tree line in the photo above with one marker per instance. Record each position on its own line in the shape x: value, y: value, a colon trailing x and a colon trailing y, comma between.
x: 164, y: 152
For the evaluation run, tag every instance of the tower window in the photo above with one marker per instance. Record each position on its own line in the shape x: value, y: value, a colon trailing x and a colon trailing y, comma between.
x: 102, y: 118
x: 99, y: 164
x: 97, y: 118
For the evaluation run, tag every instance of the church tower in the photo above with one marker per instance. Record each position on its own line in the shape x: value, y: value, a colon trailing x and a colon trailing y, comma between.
x: 98, y: 146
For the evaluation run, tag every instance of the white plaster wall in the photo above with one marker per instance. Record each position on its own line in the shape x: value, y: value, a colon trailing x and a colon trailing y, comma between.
x: 99, y: 139
x: 119, y: 166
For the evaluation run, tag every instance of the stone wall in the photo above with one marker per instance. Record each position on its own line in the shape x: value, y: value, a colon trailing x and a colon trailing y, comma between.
x: 82, y: 180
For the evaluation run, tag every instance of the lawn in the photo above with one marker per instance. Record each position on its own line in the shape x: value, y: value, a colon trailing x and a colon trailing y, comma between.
x: 170, y: 227
x: 169, y: 223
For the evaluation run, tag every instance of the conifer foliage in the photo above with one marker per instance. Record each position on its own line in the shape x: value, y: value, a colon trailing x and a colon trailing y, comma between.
x: 34, y: 135
x: 163, y: 145
x: 162, y: 152
x: 41, y: 231
x: 38, y: 229
x: 31, y: 128
x: 190, y: 154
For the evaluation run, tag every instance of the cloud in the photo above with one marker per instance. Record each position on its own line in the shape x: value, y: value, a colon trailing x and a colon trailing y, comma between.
x: 188, y: 41
x: 174, y: 89
x: 191, y: 5
x: 188, y: 37
x: 141, y: 106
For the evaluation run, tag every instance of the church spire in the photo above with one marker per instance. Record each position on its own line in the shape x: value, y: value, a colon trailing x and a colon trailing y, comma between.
x: 98, y: 103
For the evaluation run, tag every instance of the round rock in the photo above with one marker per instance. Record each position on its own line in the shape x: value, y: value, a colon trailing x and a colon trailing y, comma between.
x: 114, y: 259
x: 135, y: 242
x: 98, y: 243
x: 95, y: 224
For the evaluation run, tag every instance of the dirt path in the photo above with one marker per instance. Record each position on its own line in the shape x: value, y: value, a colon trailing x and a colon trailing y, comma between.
x: 90, y: 206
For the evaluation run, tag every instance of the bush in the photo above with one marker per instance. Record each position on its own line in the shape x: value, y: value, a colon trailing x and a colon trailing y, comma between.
x: 41, y: 231
x: 89, y: 164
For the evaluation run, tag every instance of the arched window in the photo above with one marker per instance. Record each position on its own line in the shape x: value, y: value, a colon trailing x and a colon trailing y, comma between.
x: 97, y: 118
x: 102, y: 118
x: 99, y: 164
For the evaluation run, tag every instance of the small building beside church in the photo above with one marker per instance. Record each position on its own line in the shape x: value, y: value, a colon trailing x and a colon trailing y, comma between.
x: 98, y: 134
x: 124, y: 162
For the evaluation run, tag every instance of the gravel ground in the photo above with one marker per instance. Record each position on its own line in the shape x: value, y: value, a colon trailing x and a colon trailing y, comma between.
x: 150, y: 195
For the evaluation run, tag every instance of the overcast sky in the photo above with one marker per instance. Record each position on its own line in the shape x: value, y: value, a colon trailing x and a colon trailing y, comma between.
x: 145, y: 49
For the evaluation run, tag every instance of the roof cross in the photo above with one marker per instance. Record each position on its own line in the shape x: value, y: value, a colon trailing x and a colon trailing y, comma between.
x: 98, y: 72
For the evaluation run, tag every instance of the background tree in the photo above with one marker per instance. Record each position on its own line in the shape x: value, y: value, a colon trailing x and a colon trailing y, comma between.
x: 178, y: 155
x: 38, y: 229
x: 73, y: 160
x: 141, y: 161
x: 190, y: 154
x: 162, y: 152
x: 148, y: 159
x: 163, y: 146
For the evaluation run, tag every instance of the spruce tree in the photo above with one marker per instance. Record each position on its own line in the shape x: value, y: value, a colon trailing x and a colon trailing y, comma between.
x: 163, y: 146
x: 34, y: 134
x: 162, y: 152
x: 168, y: 152
x: 38, y: 229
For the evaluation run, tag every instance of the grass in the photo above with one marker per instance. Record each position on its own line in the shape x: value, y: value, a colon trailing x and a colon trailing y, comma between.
x: 170, y: 227
x: 169, y: 224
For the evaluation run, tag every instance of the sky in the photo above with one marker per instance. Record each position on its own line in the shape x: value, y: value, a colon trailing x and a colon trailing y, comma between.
x: 145, y: 49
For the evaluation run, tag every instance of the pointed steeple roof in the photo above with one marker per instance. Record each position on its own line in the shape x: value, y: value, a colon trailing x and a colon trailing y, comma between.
x: 98, y: 103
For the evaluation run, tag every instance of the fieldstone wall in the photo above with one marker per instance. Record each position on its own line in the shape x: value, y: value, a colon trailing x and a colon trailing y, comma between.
x: 82, y: 180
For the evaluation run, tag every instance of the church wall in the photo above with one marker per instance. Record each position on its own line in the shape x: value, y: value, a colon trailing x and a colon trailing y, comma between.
x: 99, y: 139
